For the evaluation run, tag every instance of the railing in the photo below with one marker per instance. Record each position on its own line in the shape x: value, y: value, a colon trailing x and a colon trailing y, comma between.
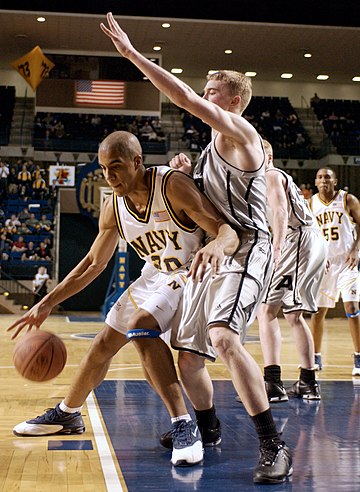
x: 15, y: 290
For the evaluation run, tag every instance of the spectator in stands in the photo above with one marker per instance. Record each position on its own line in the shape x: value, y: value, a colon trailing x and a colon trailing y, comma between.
x: 23, y: 193
x: 145, y: 130
x: 53, y: 191
x: 30, y: 253
x: 314, y: 100
x: 48, y: 120
x: 13, y: 184
x: 37, y: 172
x: 4, y: 173
x: 19, y: 245
x: 156, y: 123
x: 39, y: 189
x: 45, y: 224
x: 12, y: 223
x: 95, y: 120
x: 133, y: 127
x: 40, y: 284
x: 5, y: 247
x: 48, y: 243
x: 24, y: 214
x: 43, y: 252
x: 24, y: 179
x: 33, y: 223
x: 23, y: 229
x: 59, y: 129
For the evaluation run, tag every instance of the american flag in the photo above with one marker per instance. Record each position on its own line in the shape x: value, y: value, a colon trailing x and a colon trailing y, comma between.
x: 99, y: 93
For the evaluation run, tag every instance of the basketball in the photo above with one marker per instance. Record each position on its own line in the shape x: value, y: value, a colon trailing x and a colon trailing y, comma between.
x: 39, y: 355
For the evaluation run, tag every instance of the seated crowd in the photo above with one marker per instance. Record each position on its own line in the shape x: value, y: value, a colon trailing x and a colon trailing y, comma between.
x: 274, y: 118
x: 26, y: 214
x: 55, y: 127
x: 341, y: 122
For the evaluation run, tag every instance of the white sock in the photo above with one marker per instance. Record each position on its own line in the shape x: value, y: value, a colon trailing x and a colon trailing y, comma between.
x: 180, y: 417
x: 65, y: 408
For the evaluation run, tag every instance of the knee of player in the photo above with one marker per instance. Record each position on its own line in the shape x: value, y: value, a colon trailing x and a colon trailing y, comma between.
x: 102, y: 348
x: 294, y: 318
x: 224, y: 341
x: 351, y: 309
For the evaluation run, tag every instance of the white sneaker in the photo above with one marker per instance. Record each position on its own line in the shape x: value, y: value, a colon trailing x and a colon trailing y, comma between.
x: 187, y: 444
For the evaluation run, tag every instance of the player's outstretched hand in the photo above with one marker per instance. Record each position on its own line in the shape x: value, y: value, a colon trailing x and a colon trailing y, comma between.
x: 212, y: 254
x: 33, y: 318
x: 117, y: 36
x: 181, y: 162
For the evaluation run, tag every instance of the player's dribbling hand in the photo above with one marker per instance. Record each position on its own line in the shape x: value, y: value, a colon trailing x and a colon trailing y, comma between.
x: 33, y: 318
x: 181, y: 162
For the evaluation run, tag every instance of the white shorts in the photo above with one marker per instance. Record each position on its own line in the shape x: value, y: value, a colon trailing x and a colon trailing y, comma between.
x: 296, y: 281
x: 231, y: 298
x: 157, y: 293
x: 340, y: 279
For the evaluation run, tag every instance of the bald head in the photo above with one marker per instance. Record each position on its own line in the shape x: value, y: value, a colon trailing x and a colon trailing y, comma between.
x: 124, y: 144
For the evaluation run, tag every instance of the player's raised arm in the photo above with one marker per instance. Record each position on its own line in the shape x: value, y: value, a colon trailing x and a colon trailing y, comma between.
x: 230, y: 124
x: 80, y: 277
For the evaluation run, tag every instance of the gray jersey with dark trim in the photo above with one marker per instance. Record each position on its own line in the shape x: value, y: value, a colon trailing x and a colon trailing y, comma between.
x: 299, y: 212
x: 239, y: 195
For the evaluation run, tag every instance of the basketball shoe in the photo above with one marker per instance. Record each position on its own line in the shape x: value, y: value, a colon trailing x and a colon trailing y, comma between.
x: 356, y: 368
x: 318, y: 362
x: 275, y: 463
x: 275, y: 391
x: 53, y: 421
x: 307, y: 391
x: 187, y: 444
x: 210, y: 436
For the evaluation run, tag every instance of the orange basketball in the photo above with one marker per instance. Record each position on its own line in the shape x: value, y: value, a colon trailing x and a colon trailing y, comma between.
x: 39, y: 355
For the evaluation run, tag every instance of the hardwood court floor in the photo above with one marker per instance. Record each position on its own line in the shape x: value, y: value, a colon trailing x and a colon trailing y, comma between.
x: 120, y: 452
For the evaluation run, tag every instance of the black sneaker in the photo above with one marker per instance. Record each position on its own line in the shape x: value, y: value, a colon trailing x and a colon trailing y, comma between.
x: 318, y: 362
x: 275, y: 392
x: 275, y: 463
x: 53, y: 421
x: 356, y: 368
x: 210, y: 437
x: 187, y: 444
x: 307, y: 391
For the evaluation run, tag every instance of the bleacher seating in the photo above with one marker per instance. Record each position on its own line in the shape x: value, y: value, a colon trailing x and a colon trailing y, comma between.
x: 274, y: 118
x: 83, y: 132
x: 7, y: 103
x: 277, y: 121
x: 14, y: 265
x: 341, y: 122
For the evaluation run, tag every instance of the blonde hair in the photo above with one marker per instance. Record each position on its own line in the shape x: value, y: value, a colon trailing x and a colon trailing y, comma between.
x: 238, y: 83
x: 268, y: 147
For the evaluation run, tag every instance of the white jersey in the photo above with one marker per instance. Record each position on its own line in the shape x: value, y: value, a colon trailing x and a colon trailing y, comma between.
x: 335, y: 222
x: 158, y: 236
x: 299, y: 213
x: 238, y: 195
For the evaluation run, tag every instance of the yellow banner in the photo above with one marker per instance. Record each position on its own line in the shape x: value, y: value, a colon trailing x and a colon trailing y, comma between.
x: 33, y: 67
